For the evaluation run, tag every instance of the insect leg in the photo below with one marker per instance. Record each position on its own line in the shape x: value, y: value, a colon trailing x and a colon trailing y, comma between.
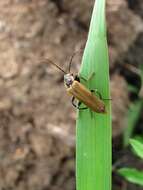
x: 91, y: 113
x: 106, y: 98
x: 81, y: 77
x: 73, y: 102
x: 71, y: 59
x: 77, y: 106
x: 89, y: 78
x: 81, y: 108
x: 99, y: 94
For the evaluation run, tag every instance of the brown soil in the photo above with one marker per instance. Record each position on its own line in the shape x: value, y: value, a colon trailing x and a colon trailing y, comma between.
x: 37, y: 120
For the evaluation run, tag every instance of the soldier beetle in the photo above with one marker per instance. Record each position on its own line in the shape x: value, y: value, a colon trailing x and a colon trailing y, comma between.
x: 79, y: 91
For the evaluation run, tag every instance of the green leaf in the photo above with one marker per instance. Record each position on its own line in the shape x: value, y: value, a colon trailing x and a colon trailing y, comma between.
x: 93, y: 149
x: 132, y: 118
x: 137, y: 147
x: 139, y: 138
x: 132, y: 175
x: 132, y: 89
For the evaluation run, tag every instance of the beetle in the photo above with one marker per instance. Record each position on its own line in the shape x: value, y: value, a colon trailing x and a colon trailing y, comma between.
x: 79, y: 91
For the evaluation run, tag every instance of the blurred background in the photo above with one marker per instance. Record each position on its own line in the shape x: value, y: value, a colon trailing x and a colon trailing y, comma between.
x: 37, y: 120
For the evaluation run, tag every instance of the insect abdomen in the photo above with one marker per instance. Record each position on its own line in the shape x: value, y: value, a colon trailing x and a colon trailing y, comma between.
x: 81, y: 93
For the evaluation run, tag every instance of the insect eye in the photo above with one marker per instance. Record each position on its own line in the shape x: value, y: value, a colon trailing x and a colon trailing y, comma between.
x: 69, y: 80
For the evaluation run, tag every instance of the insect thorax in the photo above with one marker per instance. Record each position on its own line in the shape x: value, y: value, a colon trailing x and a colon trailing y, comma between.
x: 68, y: 79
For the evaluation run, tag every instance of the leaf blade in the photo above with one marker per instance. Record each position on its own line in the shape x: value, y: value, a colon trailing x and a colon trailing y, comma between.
x: 132, y: 175
x: 137, y: 147
x: 93, y: 148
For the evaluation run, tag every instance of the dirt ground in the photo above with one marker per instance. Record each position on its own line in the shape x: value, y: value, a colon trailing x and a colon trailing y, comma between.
x: 37, y: 120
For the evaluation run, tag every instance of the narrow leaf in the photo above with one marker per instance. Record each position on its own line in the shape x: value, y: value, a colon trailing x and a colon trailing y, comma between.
x: 93, y: 151
x: 132, y: 175
x: 139, y: 138
x: 132, y: 118
x: 137, y: 147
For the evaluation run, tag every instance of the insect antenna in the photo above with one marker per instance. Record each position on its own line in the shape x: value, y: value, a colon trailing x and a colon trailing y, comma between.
x: 71, y: 59
x: 51, y: 62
